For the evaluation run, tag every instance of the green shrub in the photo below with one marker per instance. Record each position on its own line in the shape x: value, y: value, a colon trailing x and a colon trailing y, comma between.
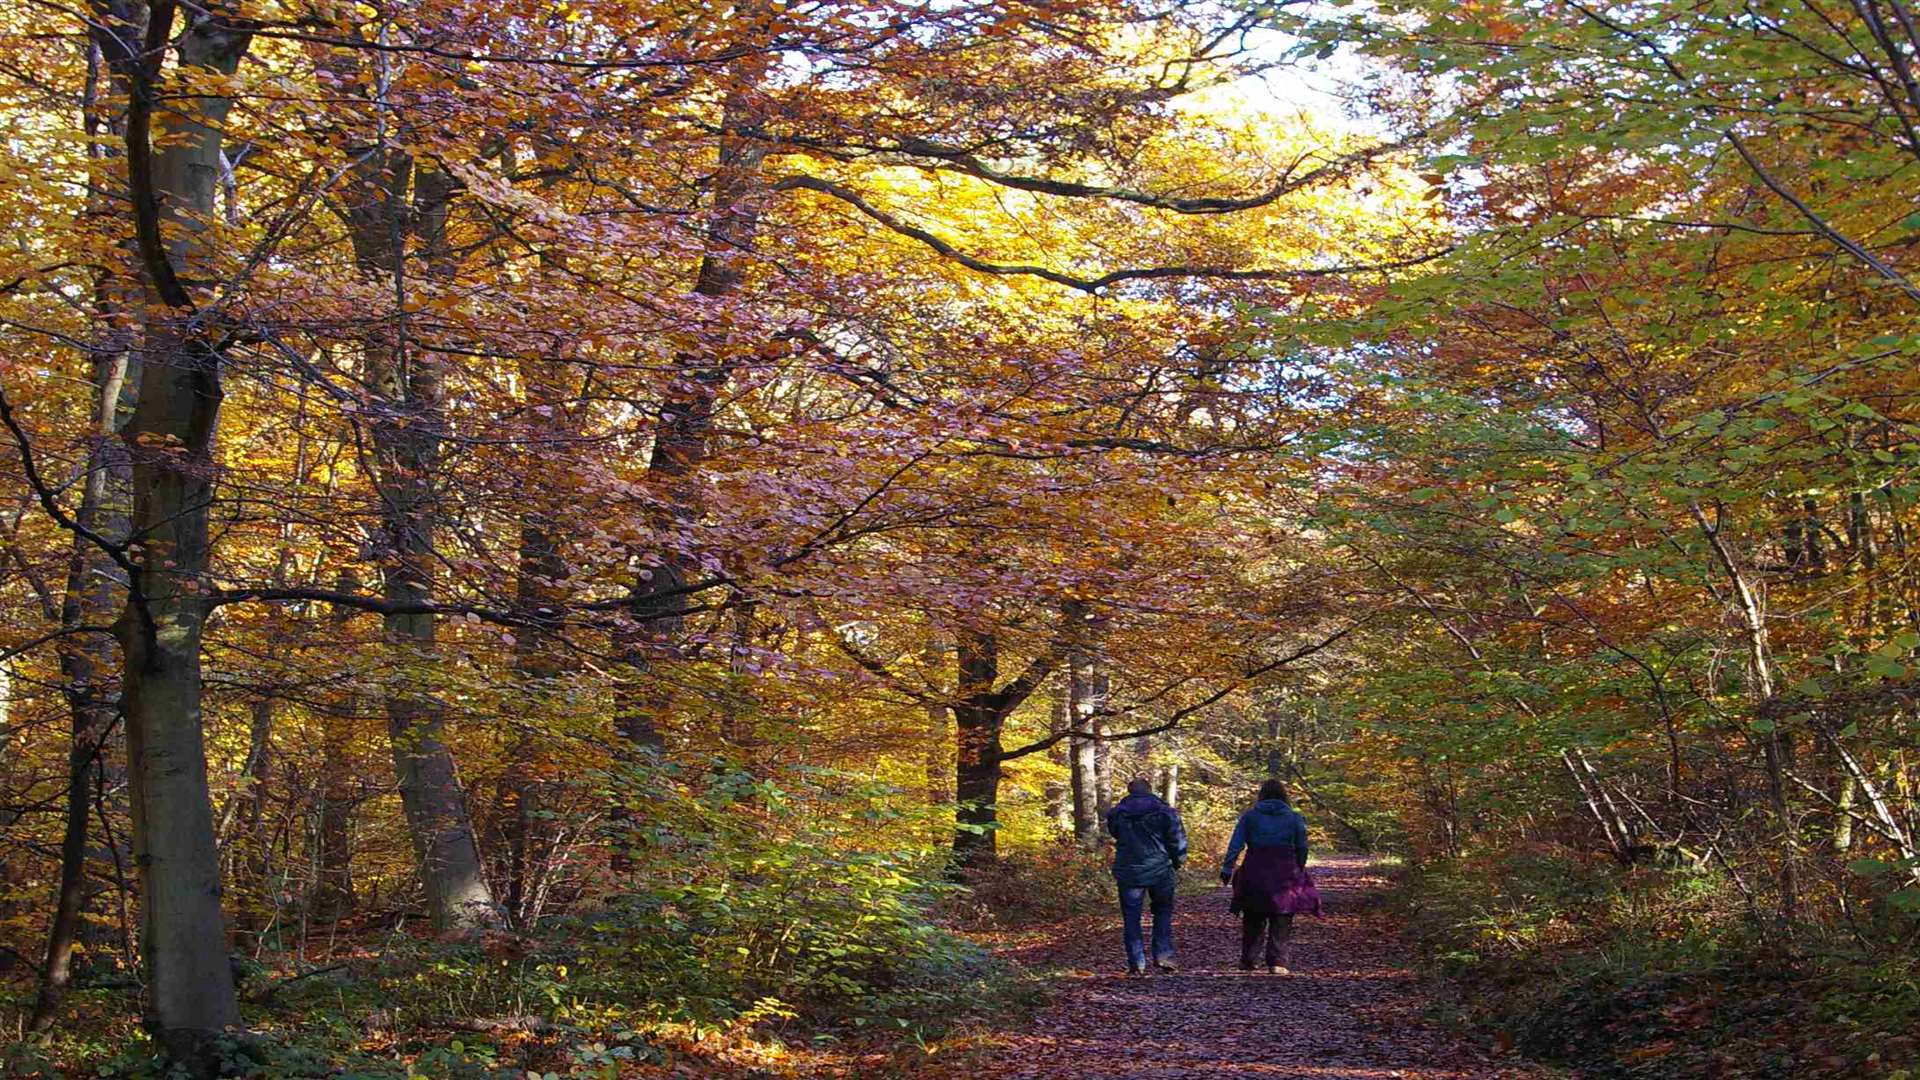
x: 1030, y: 886
x: 745, y: 905
x: 1650, y: 972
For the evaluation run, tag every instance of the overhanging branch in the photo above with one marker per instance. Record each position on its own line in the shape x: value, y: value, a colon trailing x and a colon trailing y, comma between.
x: 1090, y: 284
x: 1173, y: 719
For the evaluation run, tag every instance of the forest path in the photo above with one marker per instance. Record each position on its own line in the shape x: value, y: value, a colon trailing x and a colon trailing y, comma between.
x: 1350, y: 1011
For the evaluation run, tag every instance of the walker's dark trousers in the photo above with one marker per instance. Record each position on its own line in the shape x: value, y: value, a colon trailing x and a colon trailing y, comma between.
x: 1160, y: 896
x: 1277, y: 929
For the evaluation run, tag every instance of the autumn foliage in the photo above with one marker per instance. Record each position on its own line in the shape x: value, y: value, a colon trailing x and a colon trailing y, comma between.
x: 500, y: 467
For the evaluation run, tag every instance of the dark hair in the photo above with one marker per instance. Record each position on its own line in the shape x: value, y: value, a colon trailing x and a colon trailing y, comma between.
x: 1139, y: 786
x: 1273, y: 789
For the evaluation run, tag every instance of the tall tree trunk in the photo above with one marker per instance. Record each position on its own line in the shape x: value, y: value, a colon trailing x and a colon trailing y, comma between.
x: 85, y: 661
x: 407, y: 436
x: 333, y: 878
x: 173, y: 175
x: 740, y: 707
x: 935, y: 766
x: 980, y: 712
x: 1087, y: 694
x: 1103, y: 767
x: 92, y: 592
x: 977, y: 772
x: 1060, y: 792
x: 658, y: 601
x: 1273, y: 711
x: 1086, y: 793
x: 251, y: 809
x: 250, y: 863
x: 538, y: 599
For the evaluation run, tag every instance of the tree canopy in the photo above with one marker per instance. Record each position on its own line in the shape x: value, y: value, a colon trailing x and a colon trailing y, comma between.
x: 483, y: 463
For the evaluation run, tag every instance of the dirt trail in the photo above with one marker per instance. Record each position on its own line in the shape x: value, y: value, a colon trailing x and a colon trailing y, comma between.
x: 1350, y: 1011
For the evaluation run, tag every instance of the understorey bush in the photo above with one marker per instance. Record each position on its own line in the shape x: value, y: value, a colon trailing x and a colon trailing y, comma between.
x: 1646, y: 972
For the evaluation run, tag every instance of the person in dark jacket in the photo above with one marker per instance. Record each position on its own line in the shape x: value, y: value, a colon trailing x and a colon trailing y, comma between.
x: 1149, y: 844
x: 1273, y: 885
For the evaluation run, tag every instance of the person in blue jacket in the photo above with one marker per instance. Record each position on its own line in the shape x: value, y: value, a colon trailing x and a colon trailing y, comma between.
x: 1149, y: 844
x: 1273, y: 886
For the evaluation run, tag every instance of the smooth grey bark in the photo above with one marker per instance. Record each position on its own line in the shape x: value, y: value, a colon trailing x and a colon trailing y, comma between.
x: 408, y: 429
x: 1060, y: 793
x: 92, y: 591
x: 172, y: 181
x: 1090, y: 694
x: 1086, y: 793
x: 934, y: 757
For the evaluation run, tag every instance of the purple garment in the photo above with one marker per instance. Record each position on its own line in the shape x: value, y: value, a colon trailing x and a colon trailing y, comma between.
x: 1271, y: 881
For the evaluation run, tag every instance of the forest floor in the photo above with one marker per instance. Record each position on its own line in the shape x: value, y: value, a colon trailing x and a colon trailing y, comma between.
x: 1351, y: 1010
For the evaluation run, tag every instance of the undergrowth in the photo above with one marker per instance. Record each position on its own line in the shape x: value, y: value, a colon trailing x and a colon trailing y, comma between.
x: 1652, y: 972
x: 763, y: 930
x: 1034, y: 887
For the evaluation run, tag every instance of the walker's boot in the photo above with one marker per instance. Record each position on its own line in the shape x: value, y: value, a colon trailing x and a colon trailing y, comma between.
x: 1277, y: 960
x: 1166, y: 964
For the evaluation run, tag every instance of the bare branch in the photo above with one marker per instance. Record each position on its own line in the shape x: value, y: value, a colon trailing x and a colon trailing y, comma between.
x: 1094, y: 284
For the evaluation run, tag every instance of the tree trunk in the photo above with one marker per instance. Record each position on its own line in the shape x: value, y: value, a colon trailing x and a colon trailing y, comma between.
x: 538, y: 598
x: 173, y: 176
x: 1087, y: 689
x: 92, y: 592
x: 1600, y: 805
x: 407, y: 429
x: 1274, y: 711
x: 977, y: 772
x: 740, y: 709
x: 1086, y: 793
x: 658, y: 601
x: 980, y: 713
x: 1059, y: 801
x: 934, y: 764
x: 333, y: 878
x: 250, y: 810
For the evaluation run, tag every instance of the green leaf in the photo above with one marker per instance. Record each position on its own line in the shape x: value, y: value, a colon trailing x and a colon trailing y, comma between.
x: 1809, y: 688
